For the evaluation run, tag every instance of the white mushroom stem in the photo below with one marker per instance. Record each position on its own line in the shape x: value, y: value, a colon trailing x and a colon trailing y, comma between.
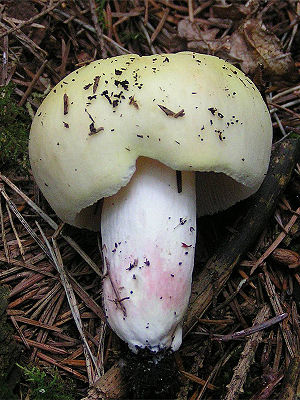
x: 148, y: 235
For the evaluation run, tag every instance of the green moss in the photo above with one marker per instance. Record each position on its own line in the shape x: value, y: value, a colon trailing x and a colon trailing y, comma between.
x: 50, y: 386
x: 100, y: 11
x: 14, y: 131
x: 9, y: 351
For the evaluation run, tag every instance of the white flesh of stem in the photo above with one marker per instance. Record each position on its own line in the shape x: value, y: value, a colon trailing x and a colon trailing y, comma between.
x: 148, y: 236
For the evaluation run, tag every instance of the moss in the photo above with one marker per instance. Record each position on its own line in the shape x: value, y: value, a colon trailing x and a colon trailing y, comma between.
x: 14, y: 131
x: 4, y: 291
x: 48, y: 386
x: 100, y: 11
x: 9, y: 351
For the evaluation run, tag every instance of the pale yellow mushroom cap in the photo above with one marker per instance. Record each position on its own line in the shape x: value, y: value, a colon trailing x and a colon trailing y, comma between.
x: 189, y: 111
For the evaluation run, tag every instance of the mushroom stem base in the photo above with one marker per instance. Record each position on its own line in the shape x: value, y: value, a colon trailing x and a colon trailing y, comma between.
x: 148, y: 234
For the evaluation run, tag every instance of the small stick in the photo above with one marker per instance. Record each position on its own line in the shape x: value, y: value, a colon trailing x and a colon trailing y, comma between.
x: 291, y: 380
x: 120, y: 49
x: 191, y: 11
x: 46, y: 347
x: 160, y: 25
x: 293, y: 113
x: 98, y: 29
x: 278, y: 352
x: 21, y: 249
x: 276, y: 305
x: 52, y: 361
x: 3, y: 233
x: 4, y: 73
x: 88, y: 300
x: 277, y: 241
x: 26, y: 283
x: 198, y: 380
x: 32, y: 83
x: 253, y: 329
x: 146, y: 16
x: 42, y: 303
x: 20, y: 300
x: 39, y: 324
x: 238, y: 379
x: 51, y: 309
x: 28, y: 43
x: 22, y: 337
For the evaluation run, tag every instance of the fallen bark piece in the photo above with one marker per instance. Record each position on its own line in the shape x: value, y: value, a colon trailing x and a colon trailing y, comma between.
x: 290, y: 384
x: 235, y: 387
x: 110, y: 386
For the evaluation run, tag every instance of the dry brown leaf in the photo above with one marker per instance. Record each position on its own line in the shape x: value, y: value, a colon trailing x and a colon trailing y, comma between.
x: 201, y: 41
x: 253, y: 44
x: 235, y: 12
x: 188, y: 30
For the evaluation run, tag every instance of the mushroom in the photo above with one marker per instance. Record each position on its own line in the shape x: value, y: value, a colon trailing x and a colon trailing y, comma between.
x: 133, y: 130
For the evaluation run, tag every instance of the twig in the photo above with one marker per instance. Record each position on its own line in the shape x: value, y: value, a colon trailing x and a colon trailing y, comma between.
x: 191, y: 10
x: 253, y: 329
x: 98, y: 29
x: 3, y: 234
x: 120, y: 49
x: 20, y: 300
x: 198, y: 380
x: 246, y: 359
x: 4, y: 72
x: 32, y: 83
x: 42, y: 303
x: 52, y: 361
x: 88, y: 301
x: 276, y: 305
x: 291, y: 381
x: 293, y: 113
x: 42, y: 346
x: 27, y: 283
x: 160, y: 25
x: 21, y: 249
x: 38, y: 324
x: 22, y: 337
x: 276, y: 242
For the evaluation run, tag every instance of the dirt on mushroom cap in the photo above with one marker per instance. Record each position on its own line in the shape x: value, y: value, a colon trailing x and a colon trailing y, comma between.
x: 189, y: 111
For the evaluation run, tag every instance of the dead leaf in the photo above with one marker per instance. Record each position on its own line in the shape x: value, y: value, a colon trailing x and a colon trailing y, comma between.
x: 253, y: 44
x: 200, y: 40
x: 188, y: 30
x: 235, y: 12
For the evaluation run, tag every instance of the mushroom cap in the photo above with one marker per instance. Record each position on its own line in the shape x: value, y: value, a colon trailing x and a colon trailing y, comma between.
x: 189, y: 111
